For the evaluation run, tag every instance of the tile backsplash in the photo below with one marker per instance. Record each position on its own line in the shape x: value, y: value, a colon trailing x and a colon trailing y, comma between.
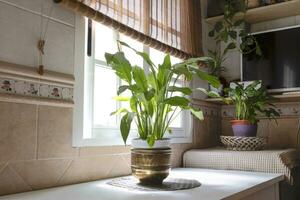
x: 36, y: 149
x: 27, y: 88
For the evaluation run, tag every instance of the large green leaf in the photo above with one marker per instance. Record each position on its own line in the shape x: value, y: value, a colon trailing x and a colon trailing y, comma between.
x: 121, y: 98
x: 151, y: 140
x: 151, y: 80
x: 164, y: 72
x: 162, y: 77
x: 177, y: 101
x: 230, y: 46
x: 125, y: 125
x: 133, y: 103
x: 219, y: 26
x: 213, y: 80
x: 149, y: 94
x: 135, y: 88
x: 167, y: 62
x: 144, y: 55
x: 209, y: 93
x: 184, y: 90
x: 182, y: 69
x: 140, y: 78
x: 197, y: 113
x: 121, y: 110
x: 120, y: 64
x: 122, y: 89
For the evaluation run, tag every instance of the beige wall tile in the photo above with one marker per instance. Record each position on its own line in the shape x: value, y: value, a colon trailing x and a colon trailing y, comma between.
x: 94, y: 151
x: 55, y: 133
x: 284, y: 135
x: 176, y: 157
x: 88, y: 169
x: 121, y: 167
x: 207, y: 132
x: 41, y: 173
x: 2, y: 166
x: 177, y: 152
x: 182, y: 146
x: 200, y: 130
x: 298, y: 140
x: 17, y: 131
x: 226, y: 127
x: 127, y: 158
x: 214, y: 131
x: 263, y: 128
x: 11, y: 182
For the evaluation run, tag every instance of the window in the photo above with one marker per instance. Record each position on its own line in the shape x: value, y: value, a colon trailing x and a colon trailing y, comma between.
x: 96, y: 86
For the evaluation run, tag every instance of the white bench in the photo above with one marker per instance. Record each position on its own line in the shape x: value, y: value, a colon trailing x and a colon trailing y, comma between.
x: 216, y: 185
x: 284, y: 161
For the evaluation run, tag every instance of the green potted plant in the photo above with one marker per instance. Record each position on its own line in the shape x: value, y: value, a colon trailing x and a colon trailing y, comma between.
x: 231, y: 31
x: 154, y: 101
x: 249, y: 101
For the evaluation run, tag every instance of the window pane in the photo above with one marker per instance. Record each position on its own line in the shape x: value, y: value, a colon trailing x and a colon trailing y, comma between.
x: 177, y: 121
x: 105, y: 88
x: 133, y: 58
x: 156, y: 56
x: 105, y: 41
x: 175, y: 60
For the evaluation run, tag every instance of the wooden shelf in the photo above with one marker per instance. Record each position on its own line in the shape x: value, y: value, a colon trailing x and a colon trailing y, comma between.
x: 287, y: 98
x: 278, y: 98
x: 215, y: 101
x: 266, y: 13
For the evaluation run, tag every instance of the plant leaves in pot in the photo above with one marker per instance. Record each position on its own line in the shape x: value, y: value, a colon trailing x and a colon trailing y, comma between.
x: 250, y: 101
x: 154, y: 100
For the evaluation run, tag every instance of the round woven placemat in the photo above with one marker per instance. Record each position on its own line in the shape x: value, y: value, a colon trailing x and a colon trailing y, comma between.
x: 243, y: 143
x: 170, y: 184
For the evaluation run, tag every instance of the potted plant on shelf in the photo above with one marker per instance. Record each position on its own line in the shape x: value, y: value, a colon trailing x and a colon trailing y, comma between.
x: 154, y: 100
x: 250, y: 101
x: 230, y: 31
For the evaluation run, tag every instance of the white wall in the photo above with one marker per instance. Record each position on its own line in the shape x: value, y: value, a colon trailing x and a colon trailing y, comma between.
x: 20, y: 26
x: 207, y: 43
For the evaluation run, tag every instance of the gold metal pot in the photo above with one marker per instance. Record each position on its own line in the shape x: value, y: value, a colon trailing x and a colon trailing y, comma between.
x: 150, y: 166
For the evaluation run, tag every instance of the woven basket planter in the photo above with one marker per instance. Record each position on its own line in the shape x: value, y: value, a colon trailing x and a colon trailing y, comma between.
x: 243, y: 143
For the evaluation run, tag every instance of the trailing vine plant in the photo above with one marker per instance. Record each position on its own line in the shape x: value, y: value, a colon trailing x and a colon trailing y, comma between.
x: 231, y: 30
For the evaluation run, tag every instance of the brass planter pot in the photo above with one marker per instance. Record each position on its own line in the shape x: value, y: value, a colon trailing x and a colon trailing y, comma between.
x: 150, y: 166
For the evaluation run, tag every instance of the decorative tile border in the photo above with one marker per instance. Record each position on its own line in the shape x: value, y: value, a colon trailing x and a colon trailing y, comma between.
x: 290, y: 109
x: 22, y: 81
x: 35, y: 89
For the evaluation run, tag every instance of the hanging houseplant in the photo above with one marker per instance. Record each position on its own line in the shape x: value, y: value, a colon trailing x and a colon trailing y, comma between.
x: 249, y: 101
x: 153, y: 103
x: 232, y: 32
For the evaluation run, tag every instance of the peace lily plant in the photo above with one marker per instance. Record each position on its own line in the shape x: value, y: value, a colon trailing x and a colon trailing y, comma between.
x: 250, y: 101
x: 155, y: 98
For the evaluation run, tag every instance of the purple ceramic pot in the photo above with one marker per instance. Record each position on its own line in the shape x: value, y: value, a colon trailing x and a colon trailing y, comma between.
x: 243, y: 128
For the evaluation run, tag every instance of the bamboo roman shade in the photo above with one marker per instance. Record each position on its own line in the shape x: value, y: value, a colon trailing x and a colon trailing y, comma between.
x: 172, y: 26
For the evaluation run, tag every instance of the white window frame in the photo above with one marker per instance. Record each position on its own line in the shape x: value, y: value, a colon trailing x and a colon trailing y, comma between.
x: 83, y: 96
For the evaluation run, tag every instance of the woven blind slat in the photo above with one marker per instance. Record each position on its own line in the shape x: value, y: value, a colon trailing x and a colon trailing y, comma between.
x: 166, y: 25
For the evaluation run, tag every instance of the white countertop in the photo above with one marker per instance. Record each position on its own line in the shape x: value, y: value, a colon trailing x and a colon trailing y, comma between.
x: 216, y: 185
